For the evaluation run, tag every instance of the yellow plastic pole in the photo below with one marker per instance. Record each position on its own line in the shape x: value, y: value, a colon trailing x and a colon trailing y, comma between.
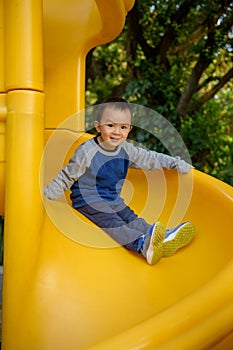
x: 23, y: 45
x: 24, y: 147
x: 2, y: 110
x: 2, y: 74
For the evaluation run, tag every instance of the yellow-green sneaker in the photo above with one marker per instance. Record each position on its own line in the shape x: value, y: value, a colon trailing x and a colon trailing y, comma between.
x: 177, y: 238
x: 155, y: 249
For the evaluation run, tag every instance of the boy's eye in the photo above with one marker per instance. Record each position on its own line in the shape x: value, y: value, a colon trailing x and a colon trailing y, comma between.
x: 112, y: 125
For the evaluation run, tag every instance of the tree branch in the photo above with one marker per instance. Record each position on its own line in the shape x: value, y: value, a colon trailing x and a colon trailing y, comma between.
x: 135, y: 35
x: 192, y: 86
x: 228, y: 76
x: 205, y: 58
x: 170, y: 34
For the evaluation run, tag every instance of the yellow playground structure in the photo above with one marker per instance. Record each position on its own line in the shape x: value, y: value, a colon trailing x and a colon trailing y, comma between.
x: 77, y: 290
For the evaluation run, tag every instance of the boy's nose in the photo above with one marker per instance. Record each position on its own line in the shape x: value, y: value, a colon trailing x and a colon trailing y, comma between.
x: 117, y: 129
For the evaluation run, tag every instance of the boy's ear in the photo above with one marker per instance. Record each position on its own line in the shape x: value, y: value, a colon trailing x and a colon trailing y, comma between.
x: 97, y: 125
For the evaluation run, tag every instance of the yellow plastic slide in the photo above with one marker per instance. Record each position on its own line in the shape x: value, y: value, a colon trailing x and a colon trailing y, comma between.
x: 67, y: 285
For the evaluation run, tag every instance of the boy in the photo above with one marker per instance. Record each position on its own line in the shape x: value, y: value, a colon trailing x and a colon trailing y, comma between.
x: 95, y: 175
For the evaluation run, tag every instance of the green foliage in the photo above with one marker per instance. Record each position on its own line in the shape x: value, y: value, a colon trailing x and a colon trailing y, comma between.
x: 110, y: 60
x: 173, y: 57
x: 209, y: 144
x: 209, y: 137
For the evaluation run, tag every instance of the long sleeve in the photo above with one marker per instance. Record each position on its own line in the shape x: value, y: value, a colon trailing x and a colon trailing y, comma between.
x: 67, y: 176
x: 150, y: 160
x: 62, y: 182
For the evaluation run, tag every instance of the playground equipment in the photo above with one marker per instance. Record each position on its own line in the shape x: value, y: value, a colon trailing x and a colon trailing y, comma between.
x: 63, y: 293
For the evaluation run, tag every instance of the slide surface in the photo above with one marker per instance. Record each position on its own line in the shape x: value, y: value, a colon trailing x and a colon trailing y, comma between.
x: 115, y: 299
x: 85, y: 290
x: 67, y: 285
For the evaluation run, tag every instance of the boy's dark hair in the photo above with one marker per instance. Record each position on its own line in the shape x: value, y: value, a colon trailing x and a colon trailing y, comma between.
x: 115, y: 103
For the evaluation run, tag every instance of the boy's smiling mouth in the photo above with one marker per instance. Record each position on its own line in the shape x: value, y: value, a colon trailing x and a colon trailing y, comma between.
x: 115, y: 139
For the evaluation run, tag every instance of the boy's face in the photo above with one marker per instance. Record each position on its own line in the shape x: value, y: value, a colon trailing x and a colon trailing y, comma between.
x: 114, y: 127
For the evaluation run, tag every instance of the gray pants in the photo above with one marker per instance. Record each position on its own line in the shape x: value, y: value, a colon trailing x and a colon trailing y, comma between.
x: 119, y: 221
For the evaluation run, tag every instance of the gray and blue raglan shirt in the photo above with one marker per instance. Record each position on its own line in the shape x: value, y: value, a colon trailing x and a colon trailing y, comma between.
x: 95, y: 174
